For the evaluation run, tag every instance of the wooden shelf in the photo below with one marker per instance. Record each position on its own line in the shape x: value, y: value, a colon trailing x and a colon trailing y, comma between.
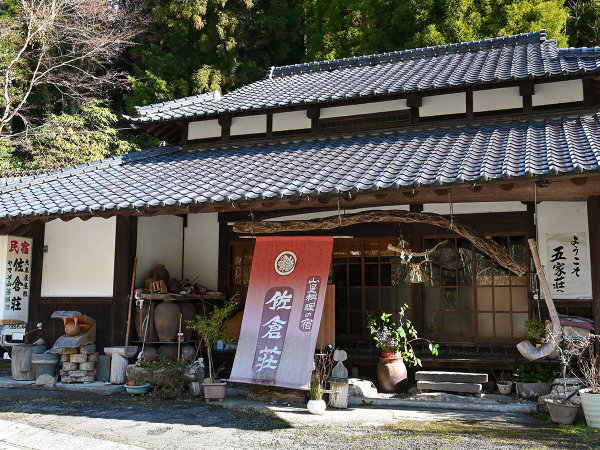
x: 159, y: 342
x: 181, y: 298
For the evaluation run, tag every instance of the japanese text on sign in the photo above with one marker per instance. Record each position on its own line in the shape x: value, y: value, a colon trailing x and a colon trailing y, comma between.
x: 566, y: 265
x: 273, y: 326
x: 17, y: 274
x: 311, y: 296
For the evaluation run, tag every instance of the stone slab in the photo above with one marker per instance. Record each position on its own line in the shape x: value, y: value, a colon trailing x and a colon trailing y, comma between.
x: 471, y: 388
x: 67, y: 366
x: 453, y: 377
x: 97, y: 387
x: 90, y: 365
x: 87, y: 349
x: 70, y: 350
x: 93, y: 356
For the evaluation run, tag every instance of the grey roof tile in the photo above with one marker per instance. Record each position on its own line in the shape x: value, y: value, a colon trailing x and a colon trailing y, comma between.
x: 404, y: 158
x: 507, y: 58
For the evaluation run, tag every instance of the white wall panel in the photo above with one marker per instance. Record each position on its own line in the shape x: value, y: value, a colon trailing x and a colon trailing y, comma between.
x: 248, y: 125
x: 204, y: 129
x: 474, y: 208
x: 559, y: 92
x: 495, y: 99
x: 159, y: 241
x: 440, y: 105
x: 293, y: 120
x: 80, y: 258
x: 201, y: 249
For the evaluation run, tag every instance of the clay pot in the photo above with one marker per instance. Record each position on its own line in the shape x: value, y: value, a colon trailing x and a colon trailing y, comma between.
x: 188, y: 352
x: 150, y: 353
x: 174, y: 286
x: 169, y: 351
x: 140, y: 316
x: 160, y: 272
x: 188, y: 313
x: 390, y: 373
x: 166, y: 319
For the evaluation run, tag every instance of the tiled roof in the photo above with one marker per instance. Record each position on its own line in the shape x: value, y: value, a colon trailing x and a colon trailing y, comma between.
x: 509, y: 58
x: 404, y: 158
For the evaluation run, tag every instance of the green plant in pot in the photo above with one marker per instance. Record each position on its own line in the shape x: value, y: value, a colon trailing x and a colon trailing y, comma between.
x: 210, y: 330
x: 533, y: 381
x: 536, y: 330
x: 395, y: 342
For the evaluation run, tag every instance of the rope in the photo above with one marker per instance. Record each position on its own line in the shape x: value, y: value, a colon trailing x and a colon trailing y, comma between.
x: 252, y: 222
x: 418, y: 254
x: 451, y: 212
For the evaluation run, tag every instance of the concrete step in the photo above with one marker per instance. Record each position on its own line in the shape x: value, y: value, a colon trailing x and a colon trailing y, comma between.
x: 471, y: 388
x: 453, y: 377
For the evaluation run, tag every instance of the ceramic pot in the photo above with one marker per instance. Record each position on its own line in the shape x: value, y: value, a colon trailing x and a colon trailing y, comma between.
x: 160, y: 272
x: 532, y: 391
x: 174, y: 286
x: 168, y: 351
x: 215, y: 390
x: 390, y: 373
x: 188, y: 312
x: 166, y: 320
x: 188, y: 352
x: 140, y: 317
x: 316, y: 407
x: 150, y: 353
x: 138, y: 389
x: 561, y: 413
x: 504, y: 387
x: 591, y: 407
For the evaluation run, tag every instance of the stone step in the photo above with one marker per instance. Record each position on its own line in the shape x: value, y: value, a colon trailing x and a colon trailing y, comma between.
x: 471, y: 388
x: 453, y: 377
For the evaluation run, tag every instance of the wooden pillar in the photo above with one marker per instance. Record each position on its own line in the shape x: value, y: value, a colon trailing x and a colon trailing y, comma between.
x: 35, y: 293
x: 593, y: 210
x: 125, y: 251
x: 223, y: 253
x: 417, y: 292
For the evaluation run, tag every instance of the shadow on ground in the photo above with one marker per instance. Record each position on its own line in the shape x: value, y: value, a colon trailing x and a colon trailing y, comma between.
x: 190, y: 411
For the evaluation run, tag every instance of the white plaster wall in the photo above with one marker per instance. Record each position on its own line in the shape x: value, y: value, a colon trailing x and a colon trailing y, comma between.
x: 201, y: 250
x: 159, y: 241
x: 204, y: 129
x: 439, y: 105
x: 474, y: 208
x: 248, y: 125
x: 365, y: 108
x: 293, y: 120
x: 80, y: 258
x: 494, y: 99
x: 562, y: 217
x: 559, y: 92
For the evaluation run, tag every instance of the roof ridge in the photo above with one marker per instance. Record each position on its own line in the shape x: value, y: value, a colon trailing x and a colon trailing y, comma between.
x: 402, y: 55
x: 66, y: 172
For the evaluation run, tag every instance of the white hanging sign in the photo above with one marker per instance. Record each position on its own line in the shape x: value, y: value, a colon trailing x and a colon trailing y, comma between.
x: 567, y: 265
x: 15, y: 276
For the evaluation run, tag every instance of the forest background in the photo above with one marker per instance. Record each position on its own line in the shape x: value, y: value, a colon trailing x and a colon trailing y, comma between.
x: 70, y: 69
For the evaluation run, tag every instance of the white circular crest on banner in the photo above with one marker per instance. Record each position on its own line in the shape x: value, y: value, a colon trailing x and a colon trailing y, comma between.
x: 285, y: 263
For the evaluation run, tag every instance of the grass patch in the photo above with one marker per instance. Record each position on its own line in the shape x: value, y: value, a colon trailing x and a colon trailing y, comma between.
x: 542, y: 434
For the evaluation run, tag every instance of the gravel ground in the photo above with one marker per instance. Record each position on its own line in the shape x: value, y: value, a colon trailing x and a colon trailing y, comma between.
x: 46, y: 419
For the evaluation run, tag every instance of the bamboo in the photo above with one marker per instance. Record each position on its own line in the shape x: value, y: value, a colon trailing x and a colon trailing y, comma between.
x: 525, y: 348
x: 179, y: 338
x: 130, y: 302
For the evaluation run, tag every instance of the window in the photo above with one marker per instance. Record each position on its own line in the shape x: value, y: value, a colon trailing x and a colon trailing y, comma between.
x: 470, y: 298
x: 240, y: 263
x: 368, y: 278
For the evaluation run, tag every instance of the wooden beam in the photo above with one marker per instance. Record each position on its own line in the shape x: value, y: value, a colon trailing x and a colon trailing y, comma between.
x: 225, y: 122
x: 35, y: 292
x: 593, y: 212
x: 489, y: 247
x: 469, y: 103
x: 125, y: 250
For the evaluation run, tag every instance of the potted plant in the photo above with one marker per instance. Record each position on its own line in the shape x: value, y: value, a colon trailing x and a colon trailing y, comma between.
x: 590, y: 396
x: 533, y: 381
x: 137, y: 383
x: 323, y: 364
x: 210, y: 330
x: 570, y: 346
x: 503, y: 382
x: 395, y: 342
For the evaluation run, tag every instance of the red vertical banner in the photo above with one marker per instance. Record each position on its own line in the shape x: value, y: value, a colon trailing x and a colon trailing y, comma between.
x: 283, y: 311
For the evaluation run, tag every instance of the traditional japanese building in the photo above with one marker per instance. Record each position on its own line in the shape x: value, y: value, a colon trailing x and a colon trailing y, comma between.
x: 502, y: 135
